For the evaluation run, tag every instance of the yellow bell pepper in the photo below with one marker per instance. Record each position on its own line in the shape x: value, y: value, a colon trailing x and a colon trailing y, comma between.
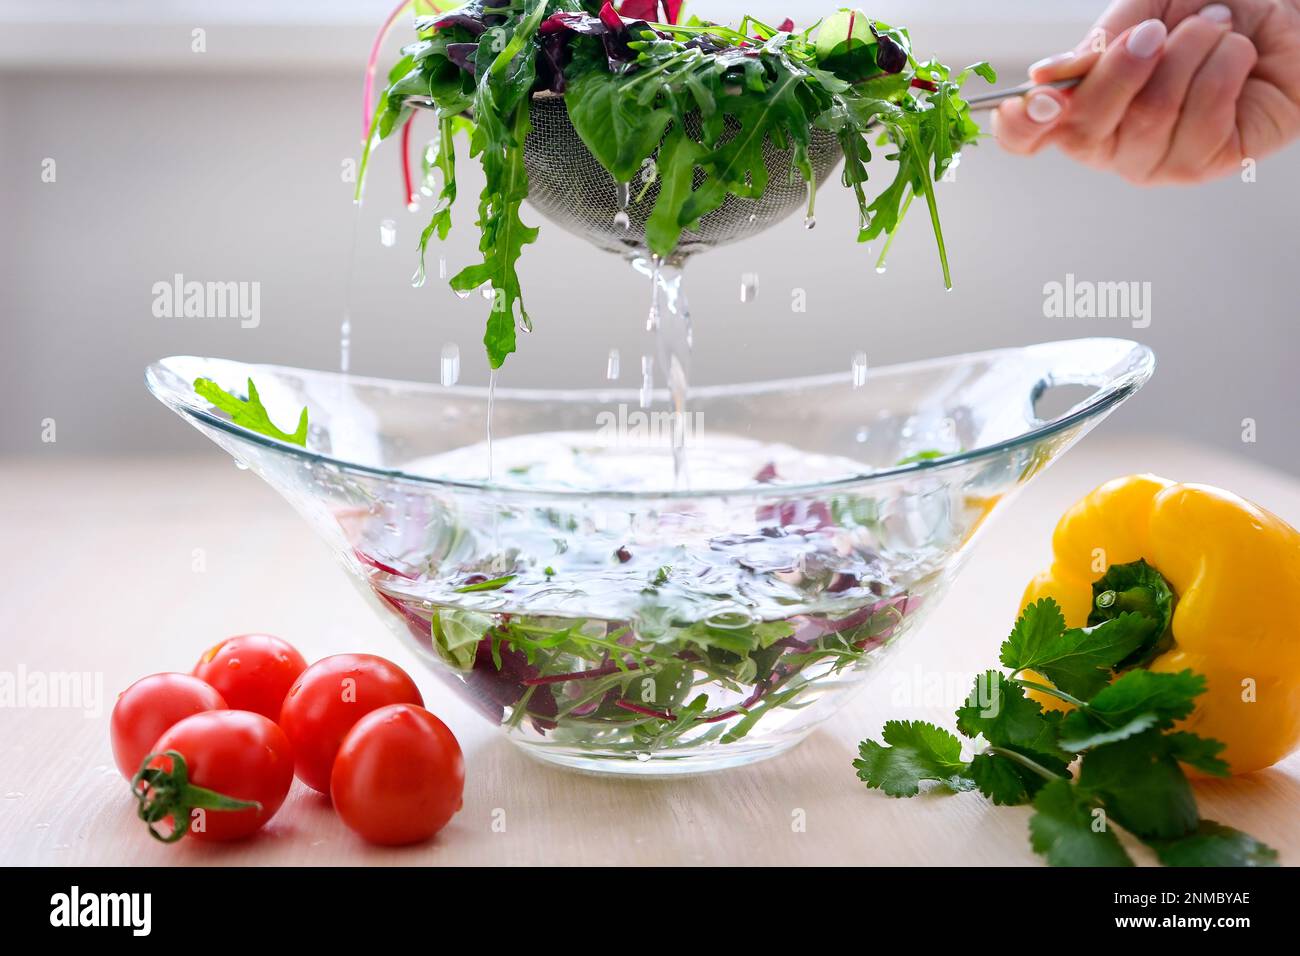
x: 1234, y: 570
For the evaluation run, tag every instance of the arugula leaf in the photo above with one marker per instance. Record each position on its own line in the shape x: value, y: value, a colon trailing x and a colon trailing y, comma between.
x: 676, y: 168
x: 495, y: 584
x: 502, y: 113
x: 728, y: 92
x: 917, y: 751
x: 1214, y: 845
x: 250, y: 413
x: 1066, y: 830
x: 1078, y: 661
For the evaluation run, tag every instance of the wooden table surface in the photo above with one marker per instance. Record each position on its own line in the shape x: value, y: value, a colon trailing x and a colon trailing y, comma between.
x: 124, y: 568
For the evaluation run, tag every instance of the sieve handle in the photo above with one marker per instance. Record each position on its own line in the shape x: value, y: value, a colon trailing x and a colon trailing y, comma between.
x: 988, y: 101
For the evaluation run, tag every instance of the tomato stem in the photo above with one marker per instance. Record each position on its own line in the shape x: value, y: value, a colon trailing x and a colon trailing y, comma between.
x: 163, y: 793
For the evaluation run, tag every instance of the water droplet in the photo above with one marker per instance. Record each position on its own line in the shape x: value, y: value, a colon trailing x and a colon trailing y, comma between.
x: 345, y: 344
x: 413, y: 205
x: 241, y: 466
x: 450, y: 364
x: 14, y: 795
x: 462, y: 293
x: 522, y: 321
x: 42, y: 826
x: 749, y: 287
x: 417, y: 279
x: 643, y: 757
x: 810, y: 220
x: 442, y: 267
x: 862, y: 435
x: 647, y: 381
x: 486, y: 292
x: 624, y: 194
x: 388, y: 233
x: 859, y: 369
x: 612, y: 365
x: 880, y: 270
x: 623, y: 220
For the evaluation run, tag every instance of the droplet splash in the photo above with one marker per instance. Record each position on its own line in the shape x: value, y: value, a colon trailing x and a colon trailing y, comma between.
x: 388, y: 233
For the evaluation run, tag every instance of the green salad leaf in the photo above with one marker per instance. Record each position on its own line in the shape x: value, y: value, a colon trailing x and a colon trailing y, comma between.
x: 689, y: 106
x: 249, y: 412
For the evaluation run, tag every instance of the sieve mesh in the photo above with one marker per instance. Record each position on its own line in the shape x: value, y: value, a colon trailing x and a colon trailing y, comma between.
x: 570, y: 188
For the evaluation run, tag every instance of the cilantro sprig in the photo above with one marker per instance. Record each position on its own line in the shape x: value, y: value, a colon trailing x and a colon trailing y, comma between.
x: 1114, y: 761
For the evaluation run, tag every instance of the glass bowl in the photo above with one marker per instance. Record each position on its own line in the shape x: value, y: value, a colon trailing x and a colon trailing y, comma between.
x: 609, y: 619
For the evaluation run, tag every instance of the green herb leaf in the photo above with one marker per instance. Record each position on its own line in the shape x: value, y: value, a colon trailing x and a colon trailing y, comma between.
x: 1004, y: 781
x: 1141, y: 785
x: 916, y: 752
x: 998, y: 710
x: 1137, y: 701
x: 456, y: 636
x: 1214, y: 845
x: 1066, y: 830
x: 1199, y: 752
x: 1078, y: 661
x: 250, y: 413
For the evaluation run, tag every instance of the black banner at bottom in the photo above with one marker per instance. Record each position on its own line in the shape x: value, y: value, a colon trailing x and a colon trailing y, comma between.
x: 214, y: 905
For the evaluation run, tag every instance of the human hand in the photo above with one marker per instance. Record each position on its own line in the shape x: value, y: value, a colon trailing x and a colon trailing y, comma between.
x: 1173, y: 91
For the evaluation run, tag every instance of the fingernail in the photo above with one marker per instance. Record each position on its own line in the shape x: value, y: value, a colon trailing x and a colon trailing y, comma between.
x: 1218, y: 12
x: 1147, y: 38
x: 1042, y: 108
x: 1056, y: 60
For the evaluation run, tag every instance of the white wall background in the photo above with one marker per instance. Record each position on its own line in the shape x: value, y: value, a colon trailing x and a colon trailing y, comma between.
x: 226, y: 166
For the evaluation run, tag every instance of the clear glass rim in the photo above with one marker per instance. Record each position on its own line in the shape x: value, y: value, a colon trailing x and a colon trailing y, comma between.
x: 1123, y: 380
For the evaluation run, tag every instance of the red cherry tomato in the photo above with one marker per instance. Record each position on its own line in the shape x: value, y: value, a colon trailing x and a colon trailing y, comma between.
x: 237, y: 770
x: 252, y: 671
x: 150, y: 706
x: 399, y: 775
x: 328, y: 698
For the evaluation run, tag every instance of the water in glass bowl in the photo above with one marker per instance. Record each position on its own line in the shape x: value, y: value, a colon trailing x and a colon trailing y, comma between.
x: 603, y: 635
